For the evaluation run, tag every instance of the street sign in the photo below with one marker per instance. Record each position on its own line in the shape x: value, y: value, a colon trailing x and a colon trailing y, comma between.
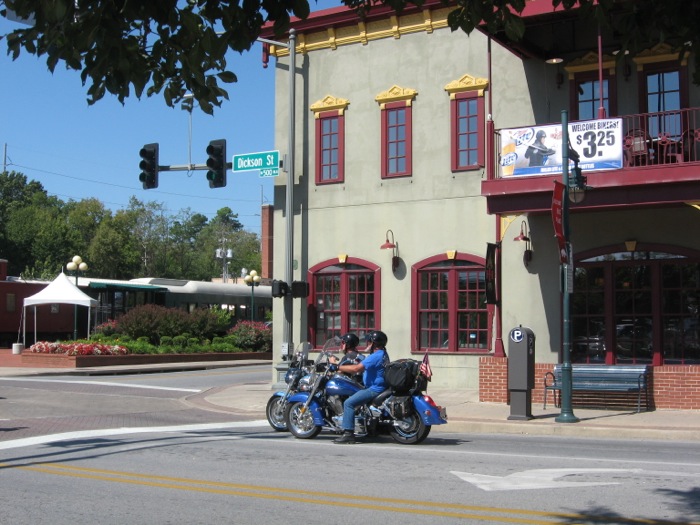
x: 267, y: 162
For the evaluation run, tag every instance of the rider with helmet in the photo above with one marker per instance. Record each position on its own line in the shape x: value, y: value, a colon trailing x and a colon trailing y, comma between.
x: 372, y: 369
x: 348, y: 344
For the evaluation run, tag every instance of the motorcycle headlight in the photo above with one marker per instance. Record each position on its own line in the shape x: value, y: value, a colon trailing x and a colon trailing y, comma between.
x: 305, y: 383
x: 292, y: 375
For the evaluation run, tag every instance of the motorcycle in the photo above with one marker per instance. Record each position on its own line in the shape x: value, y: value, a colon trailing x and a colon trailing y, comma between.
x: 299, y: 367
x: 407, y: 416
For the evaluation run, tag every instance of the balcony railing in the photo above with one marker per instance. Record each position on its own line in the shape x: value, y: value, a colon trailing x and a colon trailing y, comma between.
x: 666, y: 137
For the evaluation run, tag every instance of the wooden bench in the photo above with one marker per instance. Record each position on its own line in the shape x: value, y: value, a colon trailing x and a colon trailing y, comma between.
x: 601, y: 378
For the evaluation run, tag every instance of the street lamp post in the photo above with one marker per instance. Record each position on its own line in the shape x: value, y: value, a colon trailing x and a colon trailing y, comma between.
x: 567, y: 413
x: 76, y: 265
x: 252, y: 279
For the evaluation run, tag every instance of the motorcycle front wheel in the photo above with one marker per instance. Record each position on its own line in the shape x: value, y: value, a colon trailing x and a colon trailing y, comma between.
x: 301, y: 423
x: 275, y: 413
x: 410, y: 430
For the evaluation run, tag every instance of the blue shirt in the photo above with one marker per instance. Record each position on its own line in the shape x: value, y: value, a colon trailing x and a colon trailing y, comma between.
x: 373, y: 376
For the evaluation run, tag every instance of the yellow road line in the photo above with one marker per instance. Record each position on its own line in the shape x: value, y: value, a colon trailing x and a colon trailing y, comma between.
x: 453, y: 510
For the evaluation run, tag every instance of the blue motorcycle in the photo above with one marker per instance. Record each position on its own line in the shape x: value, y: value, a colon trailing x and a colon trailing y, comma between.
x: 406, y: 415
x: 299, y: 367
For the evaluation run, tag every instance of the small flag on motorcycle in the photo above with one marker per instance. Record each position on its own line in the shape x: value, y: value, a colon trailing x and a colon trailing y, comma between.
x: 425, y: 367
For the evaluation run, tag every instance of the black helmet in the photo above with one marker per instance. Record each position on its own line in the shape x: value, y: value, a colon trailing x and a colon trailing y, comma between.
x: 351, y: 341
x: 377, y: 338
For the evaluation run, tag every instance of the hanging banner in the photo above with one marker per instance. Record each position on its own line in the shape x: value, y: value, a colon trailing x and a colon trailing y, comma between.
x: 537, y: 150
x: 558, y: 219
x: 490, y: 277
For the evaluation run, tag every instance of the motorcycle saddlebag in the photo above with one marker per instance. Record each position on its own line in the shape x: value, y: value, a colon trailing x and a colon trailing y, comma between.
x: 398, y: 406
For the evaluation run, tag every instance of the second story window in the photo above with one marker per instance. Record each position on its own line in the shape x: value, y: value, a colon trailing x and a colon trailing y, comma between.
x: 330, y: 139
x: 585, y: 87
x: 467, y: 122
x: 396, y: 130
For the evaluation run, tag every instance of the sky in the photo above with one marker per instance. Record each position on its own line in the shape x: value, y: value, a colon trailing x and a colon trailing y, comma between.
x: 50, y: 134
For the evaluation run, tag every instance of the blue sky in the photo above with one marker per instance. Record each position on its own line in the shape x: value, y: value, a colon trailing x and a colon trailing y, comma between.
x: 78, y: 151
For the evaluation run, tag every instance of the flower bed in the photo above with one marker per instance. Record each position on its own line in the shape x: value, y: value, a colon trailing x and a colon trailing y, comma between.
x: 43, y: 347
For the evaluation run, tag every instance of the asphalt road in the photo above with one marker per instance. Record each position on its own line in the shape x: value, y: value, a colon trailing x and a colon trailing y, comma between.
x: 133, y: 452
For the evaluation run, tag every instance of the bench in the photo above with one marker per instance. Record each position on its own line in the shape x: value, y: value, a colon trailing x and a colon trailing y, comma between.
x: 601, y: 378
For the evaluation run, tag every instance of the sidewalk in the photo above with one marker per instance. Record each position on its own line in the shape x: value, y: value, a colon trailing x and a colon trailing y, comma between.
x: 465, y: 414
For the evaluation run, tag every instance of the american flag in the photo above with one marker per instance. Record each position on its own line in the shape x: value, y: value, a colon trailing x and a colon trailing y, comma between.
x: 425, y: 367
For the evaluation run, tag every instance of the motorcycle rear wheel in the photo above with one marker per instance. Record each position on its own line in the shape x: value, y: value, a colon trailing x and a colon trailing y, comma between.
x: 275, y: 413
x: 410, y: 430
x: 301, y: 424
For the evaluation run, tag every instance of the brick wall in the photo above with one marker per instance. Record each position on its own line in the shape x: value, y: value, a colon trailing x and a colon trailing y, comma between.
x: 672, y: 386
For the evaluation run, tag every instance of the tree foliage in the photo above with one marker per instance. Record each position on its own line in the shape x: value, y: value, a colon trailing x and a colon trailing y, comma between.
x: 39, y: 234
x: 173, y: 47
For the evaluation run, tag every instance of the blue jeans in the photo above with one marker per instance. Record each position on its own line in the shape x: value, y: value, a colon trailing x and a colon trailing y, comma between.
x: 357, y: 399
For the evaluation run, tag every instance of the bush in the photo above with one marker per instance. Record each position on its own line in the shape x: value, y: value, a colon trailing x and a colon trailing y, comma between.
x: 251, y: 336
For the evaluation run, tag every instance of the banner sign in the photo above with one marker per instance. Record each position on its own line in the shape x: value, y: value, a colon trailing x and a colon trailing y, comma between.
x: 491, y: 295
x: 537, y: 150
x: 558, y: 219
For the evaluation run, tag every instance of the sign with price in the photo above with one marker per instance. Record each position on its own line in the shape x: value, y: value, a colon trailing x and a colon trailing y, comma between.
x: 537, y: 150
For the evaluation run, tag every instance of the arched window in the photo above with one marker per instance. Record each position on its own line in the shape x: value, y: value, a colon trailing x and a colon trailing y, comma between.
x: 449, y: 304
x: 344, y: 297
x: 637, y: 306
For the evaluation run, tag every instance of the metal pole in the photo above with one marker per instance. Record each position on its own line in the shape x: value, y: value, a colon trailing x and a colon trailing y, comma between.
x: 75, y: 312
x: 288, y: 336
x: 252, y: 302
x: 567, y: 413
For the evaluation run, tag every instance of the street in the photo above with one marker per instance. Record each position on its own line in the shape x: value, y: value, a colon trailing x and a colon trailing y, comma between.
x: 129, y: 449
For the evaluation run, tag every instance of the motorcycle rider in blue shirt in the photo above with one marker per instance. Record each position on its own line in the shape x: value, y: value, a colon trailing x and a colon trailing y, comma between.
x: 372, y: 369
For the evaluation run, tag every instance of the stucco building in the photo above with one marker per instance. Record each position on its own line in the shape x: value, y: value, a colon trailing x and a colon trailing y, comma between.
x: 423, y: 204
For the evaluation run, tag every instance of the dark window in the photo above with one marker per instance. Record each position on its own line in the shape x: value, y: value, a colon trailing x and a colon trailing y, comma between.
x: 396, y: 140
x: 330, y: 148
x: 450, y: 310
x: 467, y: 116
x: 344, y: 298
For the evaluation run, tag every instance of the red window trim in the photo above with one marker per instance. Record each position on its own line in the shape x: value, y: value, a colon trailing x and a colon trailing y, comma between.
x: 341, y: 146
x: 415, y: 304
x: 311, y: 307
x: 454, y: 129
x: 409, y: 139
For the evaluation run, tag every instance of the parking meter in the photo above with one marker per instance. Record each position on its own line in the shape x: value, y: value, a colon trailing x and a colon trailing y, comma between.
x: 521, y: 372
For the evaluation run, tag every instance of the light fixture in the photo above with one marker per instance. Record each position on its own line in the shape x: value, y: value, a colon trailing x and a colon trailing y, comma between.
x: 631, y: 245
x: 523, y: 236
x: 76, y: 265
x: 252, y: 279
x: 394, y: 247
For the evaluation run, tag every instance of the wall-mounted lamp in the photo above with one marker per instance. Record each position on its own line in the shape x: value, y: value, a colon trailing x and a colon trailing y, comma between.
x: 527, y: 256
x: 631, y: 245
x: 394, y: 247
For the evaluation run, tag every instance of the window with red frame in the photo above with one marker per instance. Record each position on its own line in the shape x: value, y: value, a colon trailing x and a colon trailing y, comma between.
x: 330, y: 148
x: 467, y: 131
x: 345, y: 299
x: 451, y: 314
x: 396, y: 140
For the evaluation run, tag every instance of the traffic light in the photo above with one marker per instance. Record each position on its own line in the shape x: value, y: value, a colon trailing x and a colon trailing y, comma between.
x: 279, y: 288
x: 149, y: 166
x: 216, y: 163
x: 300, y: 289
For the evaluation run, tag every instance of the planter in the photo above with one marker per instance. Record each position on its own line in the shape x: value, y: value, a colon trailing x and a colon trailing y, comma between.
x: 37, y: 360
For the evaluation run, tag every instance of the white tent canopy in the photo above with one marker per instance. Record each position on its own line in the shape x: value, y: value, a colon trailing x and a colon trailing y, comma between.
x: 62, y: 291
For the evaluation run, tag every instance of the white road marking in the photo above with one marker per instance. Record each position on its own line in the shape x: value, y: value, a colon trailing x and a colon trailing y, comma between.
x: 537, y: 479
x: 83, y: 434
x: 101, y: 383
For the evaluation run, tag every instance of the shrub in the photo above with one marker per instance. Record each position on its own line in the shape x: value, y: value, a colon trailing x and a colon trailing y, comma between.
x: 107, y: 328
x: 251, y: 336
x: 180, y: 341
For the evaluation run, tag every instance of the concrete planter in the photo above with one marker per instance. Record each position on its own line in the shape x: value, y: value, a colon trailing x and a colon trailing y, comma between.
x: 36, y: 360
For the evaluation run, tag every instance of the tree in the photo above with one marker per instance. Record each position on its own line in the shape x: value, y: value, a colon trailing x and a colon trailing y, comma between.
x: 177, y: 47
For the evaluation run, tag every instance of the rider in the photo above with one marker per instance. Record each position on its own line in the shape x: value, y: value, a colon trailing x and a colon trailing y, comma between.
x: 348, y: 344
x: 373, y: 377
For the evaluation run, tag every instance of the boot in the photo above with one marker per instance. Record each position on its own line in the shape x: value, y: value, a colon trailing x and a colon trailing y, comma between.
x: 348, y: 438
